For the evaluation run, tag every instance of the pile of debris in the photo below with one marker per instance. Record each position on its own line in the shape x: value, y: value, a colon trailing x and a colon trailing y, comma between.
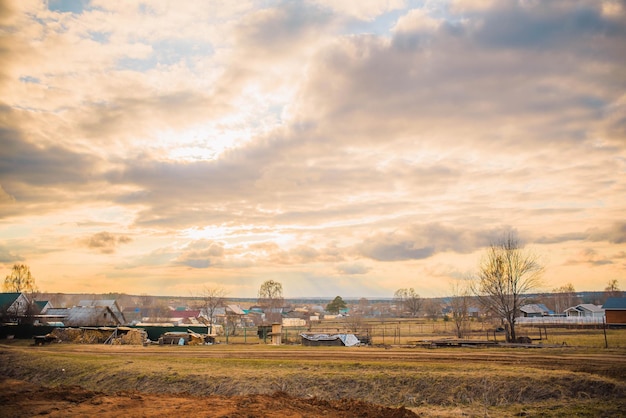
x: 185, y: 338
x: 102, y: 335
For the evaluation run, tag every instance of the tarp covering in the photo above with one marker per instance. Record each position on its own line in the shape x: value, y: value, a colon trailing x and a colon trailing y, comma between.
x: 348, y: 340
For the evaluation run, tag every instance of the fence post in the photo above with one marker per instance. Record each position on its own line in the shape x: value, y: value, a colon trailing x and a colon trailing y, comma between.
x: 606, y: 342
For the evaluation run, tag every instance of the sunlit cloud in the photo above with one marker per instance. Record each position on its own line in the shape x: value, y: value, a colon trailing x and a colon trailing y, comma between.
x: 340, y: 147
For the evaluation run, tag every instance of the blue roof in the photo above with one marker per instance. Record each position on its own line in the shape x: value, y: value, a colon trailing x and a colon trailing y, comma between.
x: 615, y: 303
x: 7, y: 299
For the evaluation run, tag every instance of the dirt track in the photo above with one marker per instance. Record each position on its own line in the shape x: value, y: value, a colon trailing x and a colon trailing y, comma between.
x: 362, y: 353
x: 609, y: 363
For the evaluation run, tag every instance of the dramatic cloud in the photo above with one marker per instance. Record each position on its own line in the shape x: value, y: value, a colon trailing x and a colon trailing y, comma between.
x: 106, y: 242
x: 351, y: 147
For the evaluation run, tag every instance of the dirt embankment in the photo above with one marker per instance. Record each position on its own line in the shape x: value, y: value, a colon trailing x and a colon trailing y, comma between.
x: 20, y: 399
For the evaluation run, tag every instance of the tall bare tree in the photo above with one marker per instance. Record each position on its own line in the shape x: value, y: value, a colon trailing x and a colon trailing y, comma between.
x: 506, y: 274
x: 211, y: 299
x: 160, y: 310
x: 408, y: 300
x: 612, y: 289
x: 271, y: 300
x: 564, y: 297
x: 459, y: 307
x: 432, y: 308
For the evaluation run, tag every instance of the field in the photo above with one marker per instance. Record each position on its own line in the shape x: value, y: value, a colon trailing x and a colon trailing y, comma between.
x: 411, y: 331
x: 253, y: 380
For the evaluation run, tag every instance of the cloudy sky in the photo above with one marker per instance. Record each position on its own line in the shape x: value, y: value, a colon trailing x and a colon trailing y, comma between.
x: 348, y: 147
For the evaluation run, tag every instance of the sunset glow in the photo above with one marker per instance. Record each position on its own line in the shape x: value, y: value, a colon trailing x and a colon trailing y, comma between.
x: 340, y: 148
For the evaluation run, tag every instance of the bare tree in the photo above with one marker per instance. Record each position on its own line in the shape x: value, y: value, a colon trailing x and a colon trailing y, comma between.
x: 564, y: 297
x: 507, y: 273
x: 271, y: 300
x: 364, y: 305
x: 432, y: 308
x: 612, y: 289
x: 160, y: 311
x: 211, y: 299
x: 459, y: 307
x: 354, y: 322
x: 231, y: 323
x: 409, y: 301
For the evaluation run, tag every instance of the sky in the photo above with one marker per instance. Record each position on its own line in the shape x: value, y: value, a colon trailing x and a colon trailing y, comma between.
x: 350, y: 148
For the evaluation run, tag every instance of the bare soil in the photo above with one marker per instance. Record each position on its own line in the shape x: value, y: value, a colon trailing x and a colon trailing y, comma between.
x: 20, y: 399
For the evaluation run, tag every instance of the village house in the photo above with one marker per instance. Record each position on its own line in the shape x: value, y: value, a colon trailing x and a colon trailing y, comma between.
x: 535, y: 310
x: 53, y: 316
x: 80, y: 316
x: 91, y: 316
x: 133, y: 315
x: 105, y: 303
x: 42, y: 306
x: 185, y: 317
x: 13, y: 306
x: 585, y: 310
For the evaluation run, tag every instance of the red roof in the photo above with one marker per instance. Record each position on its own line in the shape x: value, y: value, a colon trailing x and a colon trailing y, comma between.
x: 184, y: 314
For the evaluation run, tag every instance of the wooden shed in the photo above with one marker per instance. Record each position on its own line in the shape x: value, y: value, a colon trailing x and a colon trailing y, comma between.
x: 615, y: 311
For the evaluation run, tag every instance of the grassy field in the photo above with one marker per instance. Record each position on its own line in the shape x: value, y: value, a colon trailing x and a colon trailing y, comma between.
x: 433, y: 382
x: 411, y: 331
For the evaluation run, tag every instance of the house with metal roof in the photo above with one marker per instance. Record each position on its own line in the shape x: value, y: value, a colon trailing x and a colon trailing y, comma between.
x: 585, y: 310
x: 105, y: 303
x: 615, y: 310
x: 42, y: 306
x: 535, y: 310
x: 91, y: 316
x: 14, y: 306
x: 53, y: 316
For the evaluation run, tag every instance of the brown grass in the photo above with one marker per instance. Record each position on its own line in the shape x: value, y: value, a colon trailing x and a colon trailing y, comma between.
x: 496, y: 382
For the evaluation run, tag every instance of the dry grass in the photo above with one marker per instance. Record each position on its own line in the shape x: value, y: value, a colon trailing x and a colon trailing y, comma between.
x: 494, y: 382
x: 411, y: 331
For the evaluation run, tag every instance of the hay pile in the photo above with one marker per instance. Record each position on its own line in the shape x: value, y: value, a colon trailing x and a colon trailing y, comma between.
x: 195, y: 339
x: 67, y: 334
x: 99, y: 336
x: 134, y: 337
x: 81, y: 336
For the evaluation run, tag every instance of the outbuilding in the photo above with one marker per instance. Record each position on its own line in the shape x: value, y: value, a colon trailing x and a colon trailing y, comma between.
x: 615, y: 311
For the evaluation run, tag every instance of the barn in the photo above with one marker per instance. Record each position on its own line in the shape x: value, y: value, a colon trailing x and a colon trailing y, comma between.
x: 615, y: 311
